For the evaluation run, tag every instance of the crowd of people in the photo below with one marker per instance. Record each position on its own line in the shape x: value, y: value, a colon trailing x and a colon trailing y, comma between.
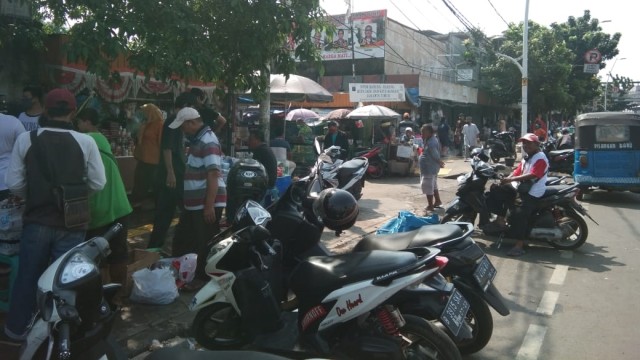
x: 54, y: 149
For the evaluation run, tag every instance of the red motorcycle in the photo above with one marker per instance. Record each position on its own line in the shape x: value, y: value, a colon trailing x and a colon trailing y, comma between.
x: 377, y: 163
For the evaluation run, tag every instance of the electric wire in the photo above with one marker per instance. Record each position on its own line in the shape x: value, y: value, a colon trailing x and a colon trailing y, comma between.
x: 498, y: 13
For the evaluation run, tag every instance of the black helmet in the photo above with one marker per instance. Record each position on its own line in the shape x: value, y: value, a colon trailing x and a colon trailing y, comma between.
x: 480, y: 154
x: 337, y: 208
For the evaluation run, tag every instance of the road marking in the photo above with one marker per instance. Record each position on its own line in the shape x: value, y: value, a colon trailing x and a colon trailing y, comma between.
x: 532, y: 343
x: 559, y: 274
x: 548, y: 303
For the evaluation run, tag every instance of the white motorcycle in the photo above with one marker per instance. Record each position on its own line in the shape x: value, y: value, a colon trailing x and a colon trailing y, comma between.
x: 330, y: 171
x: 343, y: 309
x: 75, y: 315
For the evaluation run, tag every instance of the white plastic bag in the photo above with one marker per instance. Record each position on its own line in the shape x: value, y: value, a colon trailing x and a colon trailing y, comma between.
x: 183, y: 267
x: 157, y: 286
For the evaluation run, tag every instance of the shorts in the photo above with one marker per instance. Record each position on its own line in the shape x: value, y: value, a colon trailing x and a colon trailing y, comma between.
x: 429, y: 184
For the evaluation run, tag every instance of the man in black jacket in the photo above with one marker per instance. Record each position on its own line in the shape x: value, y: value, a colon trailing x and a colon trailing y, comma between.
x: 337, y: 138
x: 59, y: 156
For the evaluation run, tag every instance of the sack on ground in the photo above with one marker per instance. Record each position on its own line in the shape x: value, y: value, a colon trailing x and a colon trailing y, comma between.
x: 11, y: 211
x: 156, y: 287
x: 182, y: 267
x: 407, y: 221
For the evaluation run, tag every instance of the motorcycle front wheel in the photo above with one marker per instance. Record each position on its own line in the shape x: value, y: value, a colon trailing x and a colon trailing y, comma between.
x: 427, y: 341
x: 218, y: 327
x: 574, y: 231
x: 480, y: 320
x: 375, y: 171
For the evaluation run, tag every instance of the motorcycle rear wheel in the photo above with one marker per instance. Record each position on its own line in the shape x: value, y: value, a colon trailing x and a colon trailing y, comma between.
x: 377, y: 172
x: 218, y: 327
x: 427, y: 341
x: 575, y: 222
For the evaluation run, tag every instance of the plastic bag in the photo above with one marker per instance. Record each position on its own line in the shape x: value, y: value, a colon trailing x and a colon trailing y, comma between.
x: 183, y: 268
x: 157, y: 286
x: 407, y: 221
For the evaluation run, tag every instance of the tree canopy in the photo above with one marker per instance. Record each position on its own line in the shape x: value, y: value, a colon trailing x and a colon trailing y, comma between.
x: 227, y: 41
x: 556, y: 79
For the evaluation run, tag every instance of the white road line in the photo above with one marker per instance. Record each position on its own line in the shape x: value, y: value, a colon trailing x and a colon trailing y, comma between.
x: 559, y: 274
x: 548, y: 303
x: 532, y: 343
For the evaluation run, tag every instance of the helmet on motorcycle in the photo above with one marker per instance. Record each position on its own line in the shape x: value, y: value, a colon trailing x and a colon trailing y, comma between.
x: 480, y: 154
x: 337, y: 208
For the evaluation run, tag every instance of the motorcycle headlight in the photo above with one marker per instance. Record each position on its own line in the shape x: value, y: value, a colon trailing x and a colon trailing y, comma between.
x: 77, y: 267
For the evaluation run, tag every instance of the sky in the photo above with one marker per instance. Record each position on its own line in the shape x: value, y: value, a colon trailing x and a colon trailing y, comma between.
x: 492, y: 16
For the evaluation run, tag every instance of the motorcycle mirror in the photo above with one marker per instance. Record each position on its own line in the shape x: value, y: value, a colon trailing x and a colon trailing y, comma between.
x: 257, y: 214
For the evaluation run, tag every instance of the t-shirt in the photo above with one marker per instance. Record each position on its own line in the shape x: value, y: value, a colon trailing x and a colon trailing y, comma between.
x: 111, y: 202
x: 30, y: 122
x: 470, y: 132
x: 205, y: 155
x: 430, y: 158
x: 537, y: 165
x: 10, y: 128
x: 265, y: 156
x: 172, y: 139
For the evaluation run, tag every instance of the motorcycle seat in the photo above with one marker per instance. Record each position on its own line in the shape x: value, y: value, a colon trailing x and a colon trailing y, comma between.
x: 353, y: 164
x: 317, y: 276
x: 425, y: 236
x: 553, y: 189
x: 560, y: 152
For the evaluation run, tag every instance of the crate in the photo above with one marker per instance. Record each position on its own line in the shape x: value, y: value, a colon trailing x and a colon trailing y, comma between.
x: 399, y: 167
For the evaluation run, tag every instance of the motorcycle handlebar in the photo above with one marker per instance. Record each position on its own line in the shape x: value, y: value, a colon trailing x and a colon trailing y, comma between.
x: 64, y: 350
x: 113, y: 230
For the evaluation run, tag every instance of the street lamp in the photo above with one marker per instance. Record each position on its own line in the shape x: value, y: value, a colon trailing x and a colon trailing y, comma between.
x: 606, y: 87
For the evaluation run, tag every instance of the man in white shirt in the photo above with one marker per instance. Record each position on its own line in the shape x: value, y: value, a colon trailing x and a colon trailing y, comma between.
x: 471, y: 133
x: 32, y: 102
x: 10, y: 128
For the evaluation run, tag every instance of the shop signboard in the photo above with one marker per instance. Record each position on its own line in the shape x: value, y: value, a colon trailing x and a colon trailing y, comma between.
x: 361, y: 36
x: 376, y: 92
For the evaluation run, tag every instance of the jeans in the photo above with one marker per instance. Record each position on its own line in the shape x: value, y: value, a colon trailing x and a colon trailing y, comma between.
x: 39, y: 246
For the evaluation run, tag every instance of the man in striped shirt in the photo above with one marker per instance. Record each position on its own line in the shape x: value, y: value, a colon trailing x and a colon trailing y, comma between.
x: 205, y: 193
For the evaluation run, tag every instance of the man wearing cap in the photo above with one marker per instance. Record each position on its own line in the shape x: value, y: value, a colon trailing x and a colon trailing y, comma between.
x: 205, y: 192
x: 533, y: 167
x: 337, y: 138
x: 407, y: 136
x: 59, y: 156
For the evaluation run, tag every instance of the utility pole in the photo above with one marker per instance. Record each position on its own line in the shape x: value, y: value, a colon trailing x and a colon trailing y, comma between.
x: 606, y: 87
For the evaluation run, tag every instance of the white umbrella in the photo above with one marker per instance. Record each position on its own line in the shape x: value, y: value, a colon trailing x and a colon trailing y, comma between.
x: 297, y: 88
x: 373, y: 112
x: 303, y: 114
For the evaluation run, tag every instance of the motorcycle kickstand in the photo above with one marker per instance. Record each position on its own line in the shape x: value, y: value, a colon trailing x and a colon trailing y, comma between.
x: 498, y: 244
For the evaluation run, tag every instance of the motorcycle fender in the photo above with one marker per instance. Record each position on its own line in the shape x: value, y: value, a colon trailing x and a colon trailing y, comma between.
x: 38, y: 334
x: 207, y: 295
x: 492, y: 296
x: 582, y: 211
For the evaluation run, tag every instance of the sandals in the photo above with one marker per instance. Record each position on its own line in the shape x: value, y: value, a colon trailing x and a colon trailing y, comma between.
x: 516, y: 252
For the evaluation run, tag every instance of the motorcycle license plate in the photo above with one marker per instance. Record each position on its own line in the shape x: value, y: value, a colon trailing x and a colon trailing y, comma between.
x: 484, y: 273
x: 454, y: 314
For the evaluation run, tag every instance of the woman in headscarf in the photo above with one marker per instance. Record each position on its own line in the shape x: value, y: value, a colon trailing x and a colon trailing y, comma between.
x: 147, y: 153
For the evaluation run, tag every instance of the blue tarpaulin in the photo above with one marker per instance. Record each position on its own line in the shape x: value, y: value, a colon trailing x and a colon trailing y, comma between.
x: 407, y: 221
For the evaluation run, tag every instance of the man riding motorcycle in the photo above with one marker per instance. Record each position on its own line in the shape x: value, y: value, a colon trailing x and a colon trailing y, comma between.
x: 531, y: 174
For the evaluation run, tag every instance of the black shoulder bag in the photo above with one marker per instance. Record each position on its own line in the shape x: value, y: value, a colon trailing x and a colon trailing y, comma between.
x: 71, y: 199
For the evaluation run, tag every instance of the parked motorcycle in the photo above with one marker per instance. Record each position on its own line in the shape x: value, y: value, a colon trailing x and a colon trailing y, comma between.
x: 331, y: 172
x: 297, y: 226
x: 501, y: 145
x: 377, y: 164
x: 468, y: 268
x: 559, y: 160
x: 343, y: 299
x: 75, y: 311
x: 558, y: 218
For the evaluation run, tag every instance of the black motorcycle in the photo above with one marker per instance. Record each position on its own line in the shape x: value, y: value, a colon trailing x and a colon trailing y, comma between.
x: 562, y: 161
x: 501, y: 145
x: 468, y: 268
x: 558, y: 219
